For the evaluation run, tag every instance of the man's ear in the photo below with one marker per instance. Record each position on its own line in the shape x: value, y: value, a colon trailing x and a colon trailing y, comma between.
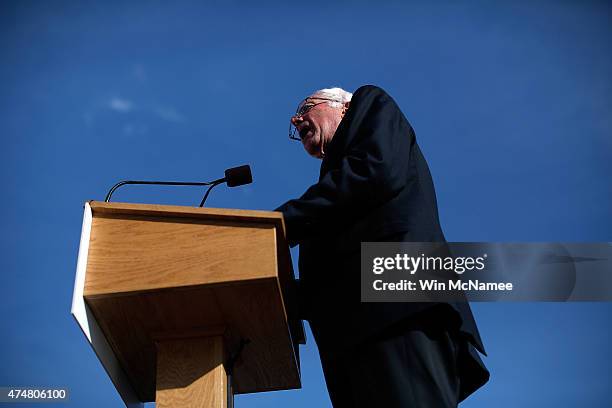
x: 346, y: 106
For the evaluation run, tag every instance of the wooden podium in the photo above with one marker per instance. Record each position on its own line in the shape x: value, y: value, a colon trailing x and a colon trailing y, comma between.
x: 173, y: 299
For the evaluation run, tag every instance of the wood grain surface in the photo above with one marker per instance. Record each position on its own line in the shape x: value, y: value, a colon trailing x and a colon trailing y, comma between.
x: 190, y: 373
x: 143, y: 253
x: 162, y: 272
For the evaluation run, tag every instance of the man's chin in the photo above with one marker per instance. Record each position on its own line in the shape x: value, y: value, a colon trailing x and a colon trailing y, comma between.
x: 312, y: 149
x: 314, y: 153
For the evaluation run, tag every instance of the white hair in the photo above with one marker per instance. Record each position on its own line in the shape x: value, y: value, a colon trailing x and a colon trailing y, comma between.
x: 338, y: 96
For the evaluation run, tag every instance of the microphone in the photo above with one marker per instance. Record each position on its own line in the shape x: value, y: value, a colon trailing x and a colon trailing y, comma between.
x: 234, y: 177
x: 238, y: 176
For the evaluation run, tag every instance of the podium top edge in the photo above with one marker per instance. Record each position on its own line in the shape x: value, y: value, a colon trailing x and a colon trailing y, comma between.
x: 114, y: 208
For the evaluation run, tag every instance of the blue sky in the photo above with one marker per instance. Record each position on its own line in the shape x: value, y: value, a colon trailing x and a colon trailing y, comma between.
x: 511, y: 103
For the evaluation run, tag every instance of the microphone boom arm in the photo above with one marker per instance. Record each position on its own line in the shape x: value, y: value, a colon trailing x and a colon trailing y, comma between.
x: 161, y: 183
x: 235, y: 176
x: 213, y: 184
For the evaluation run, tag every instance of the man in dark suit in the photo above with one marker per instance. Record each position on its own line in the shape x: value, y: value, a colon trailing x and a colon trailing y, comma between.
x: 374, y: 185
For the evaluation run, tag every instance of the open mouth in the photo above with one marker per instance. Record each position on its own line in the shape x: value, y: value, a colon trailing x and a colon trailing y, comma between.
x: 304, y: 134
x: 305, y: 131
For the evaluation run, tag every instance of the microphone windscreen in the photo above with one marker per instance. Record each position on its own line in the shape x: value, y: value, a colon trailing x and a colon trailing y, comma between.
x: 238, y: 176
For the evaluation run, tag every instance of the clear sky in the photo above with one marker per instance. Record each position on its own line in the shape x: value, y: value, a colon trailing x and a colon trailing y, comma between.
x: 511, y: 103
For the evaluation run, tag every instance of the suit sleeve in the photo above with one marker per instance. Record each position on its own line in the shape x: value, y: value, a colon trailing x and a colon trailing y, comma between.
x: 373, y: 169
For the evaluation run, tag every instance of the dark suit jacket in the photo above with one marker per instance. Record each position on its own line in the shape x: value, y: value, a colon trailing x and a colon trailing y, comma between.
x: 374, y: 185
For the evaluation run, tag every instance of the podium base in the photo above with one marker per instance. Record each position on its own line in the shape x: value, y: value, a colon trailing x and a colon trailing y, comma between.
x: 190, y: 373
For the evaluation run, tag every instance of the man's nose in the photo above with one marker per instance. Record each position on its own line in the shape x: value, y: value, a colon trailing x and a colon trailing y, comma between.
x: 295, y: 120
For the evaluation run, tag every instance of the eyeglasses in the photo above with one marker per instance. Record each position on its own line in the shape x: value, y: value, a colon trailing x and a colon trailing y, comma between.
x: 303, y: 109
